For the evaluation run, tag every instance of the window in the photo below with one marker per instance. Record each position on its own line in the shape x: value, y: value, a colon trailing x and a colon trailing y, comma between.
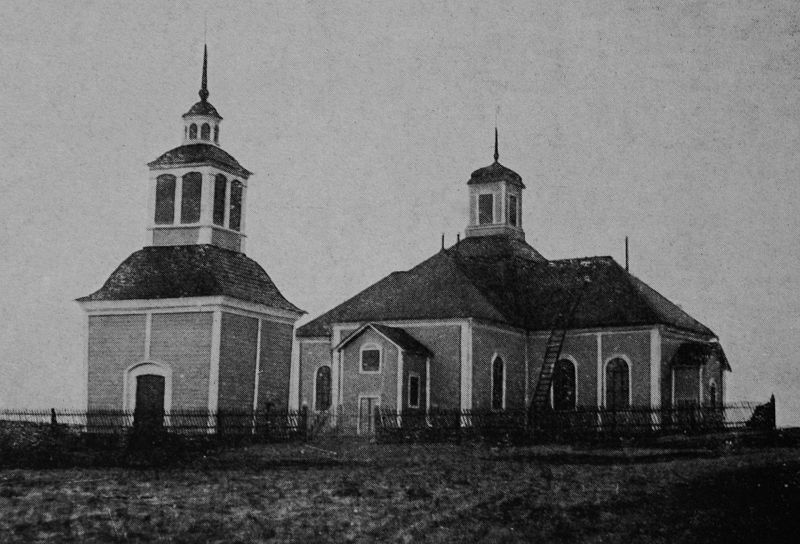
x: 712, y: 393
x: 216, y: 133
x: 205, y: 132
x: 322, y: 389
x: 192, y: 131
x: 370, y: 359
x: 235, y: 213
x: 564, y: 385
x: 413, y: 391
x: 190, y: 198
x: 512, y: 210
x: 498, y: 384
x: 617, y: 386
x: 485, y: 209
x: 220, y: 188
x: 165, y: 200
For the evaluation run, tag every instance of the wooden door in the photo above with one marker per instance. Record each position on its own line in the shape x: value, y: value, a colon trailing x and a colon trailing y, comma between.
x: 149, y: 411
x: 366, y: 415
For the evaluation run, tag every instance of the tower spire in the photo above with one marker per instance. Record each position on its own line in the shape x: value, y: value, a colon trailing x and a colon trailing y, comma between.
x: 204, y: 83
x: 496, y: 152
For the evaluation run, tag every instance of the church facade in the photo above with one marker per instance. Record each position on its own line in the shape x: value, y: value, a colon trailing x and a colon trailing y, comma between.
x: 189, y: 322
x: 470, y: 329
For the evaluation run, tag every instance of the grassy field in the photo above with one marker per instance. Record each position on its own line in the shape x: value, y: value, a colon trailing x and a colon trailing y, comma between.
x: 434, y: 493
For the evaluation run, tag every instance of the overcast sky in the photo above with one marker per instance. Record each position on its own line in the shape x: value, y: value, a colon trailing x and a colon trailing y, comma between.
x: 677, y: 125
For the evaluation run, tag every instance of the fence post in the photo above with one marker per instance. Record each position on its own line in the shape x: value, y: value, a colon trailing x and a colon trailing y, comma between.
x: 54, y: 420
x: 771, y: 413
x: 304, y: 423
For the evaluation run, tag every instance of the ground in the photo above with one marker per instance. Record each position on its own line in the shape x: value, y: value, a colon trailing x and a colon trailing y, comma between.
x: 417, y: 493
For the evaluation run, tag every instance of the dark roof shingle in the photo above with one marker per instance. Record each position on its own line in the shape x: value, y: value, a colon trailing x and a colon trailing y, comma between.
x: 199, y: 154
x: 158, y: 272
x: 495, y: 279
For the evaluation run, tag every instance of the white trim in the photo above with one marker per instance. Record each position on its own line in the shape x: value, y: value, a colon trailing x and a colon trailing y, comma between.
x: 377, y: 398
x: 494, y: 358
x: 85, y: 338
x: 294, y: 375
x: 141, y: 368
x: 655, y: 367
x: 600, y: 374
x: 419, y: 385
x: 370, y: 346
x: 314, y: 387
x: 503, y: 204
x: 575, y: 367
x: 672, y: 379
x: 466, y: 365
x: 213, y: 373
x: 148, y: 333
x: 427, y: 385
x: 176, y: 219
x: 400, y: 372
x: 188, y: 304
x: 313, y: 339
x: 400, y: 323
x: 258, y: 368
x: 630, y: 373
x: 499, y: 328
x: 355, y: 334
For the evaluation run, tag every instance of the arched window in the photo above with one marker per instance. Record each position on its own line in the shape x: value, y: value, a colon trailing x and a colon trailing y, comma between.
x: 191, y: 197
x: 216, y: 133
x: 322, y: 388
x: 192, y: 131
x: 220, y: 188
x: 165, y: 200
x: 235, y: 213
x: 205, y: 132
x: 564, y: 385
x: 498, y: 384
x: 617, y: 384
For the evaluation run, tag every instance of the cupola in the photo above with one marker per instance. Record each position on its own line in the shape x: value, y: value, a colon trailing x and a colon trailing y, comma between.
x: 495, y: 200
x: 198, y: 190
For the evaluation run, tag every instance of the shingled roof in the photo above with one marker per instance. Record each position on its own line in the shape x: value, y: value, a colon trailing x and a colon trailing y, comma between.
x: 196, y: 154
x: 158, y: 272
x: 494, y: 279
x: 396, y: 335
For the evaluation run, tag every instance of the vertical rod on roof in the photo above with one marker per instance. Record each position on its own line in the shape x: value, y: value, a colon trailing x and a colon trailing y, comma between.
x: 458, y: 237
x: 626, y: 254
x: 442, y: 240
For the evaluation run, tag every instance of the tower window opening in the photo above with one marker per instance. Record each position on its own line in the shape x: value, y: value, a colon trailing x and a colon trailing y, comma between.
x: 165, y: 200
x: 235, y: 212
x: 512, y: 210
x: 220, y: 188
x: 190, y: 199
x: 205, y: 132
x: 485, y: 209
x: 216, y: 134
x: 192, y: 131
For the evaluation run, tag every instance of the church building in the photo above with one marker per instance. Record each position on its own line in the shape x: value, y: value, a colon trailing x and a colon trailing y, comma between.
x: 189, y: 322
x: 490, y: 324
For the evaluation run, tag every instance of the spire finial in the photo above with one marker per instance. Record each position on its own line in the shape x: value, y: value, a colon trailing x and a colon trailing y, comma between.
x: 496, y: 151
x: 204, y: 82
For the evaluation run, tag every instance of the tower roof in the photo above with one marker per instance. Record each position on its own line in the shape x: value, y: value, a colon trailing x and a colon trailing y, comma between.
x: 199, y: 153
x: 495, y: 171
x: 203, y: 107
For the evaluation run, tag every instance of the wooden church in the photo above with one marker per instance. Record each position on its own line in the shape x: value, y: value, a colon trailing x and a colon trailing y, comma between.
x: 189, y: 322
x: 490, y: 324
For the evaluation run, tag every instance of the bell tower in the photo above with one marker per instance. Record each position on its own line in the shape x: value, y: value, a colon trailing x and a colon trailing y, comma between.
x: 495, y: 200
x: 198, y: 190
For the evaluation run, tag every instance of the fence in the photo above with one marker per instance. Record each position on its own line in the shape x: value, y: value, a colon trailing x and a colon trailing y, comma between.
x: 389, y: 426
x: 267, y: 425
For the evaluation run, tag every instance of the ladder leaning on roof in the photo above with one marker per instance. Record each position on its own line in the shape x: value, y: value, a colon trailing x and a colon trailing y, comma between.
x: 555, y: 342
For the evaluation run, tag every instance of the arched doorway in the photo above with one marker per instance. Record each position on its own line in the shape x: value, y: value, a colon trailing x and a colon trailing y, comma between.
x: 564, y: 397
x: 149, y: 408
x: 617, y: 384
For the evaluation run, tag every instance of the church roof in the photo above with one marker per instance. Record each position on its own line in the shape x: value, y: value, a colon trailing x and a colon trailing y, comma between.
x: 192, y: 154
x: 495, y: 172
x: 203, y: 108
x: 158, y: 272
x: 396, y: 335
x: 513, y: 285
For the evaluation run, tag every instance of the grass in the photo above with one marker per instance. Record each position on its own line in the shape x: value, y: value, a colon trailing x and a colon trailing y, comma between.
x: 359, y: 492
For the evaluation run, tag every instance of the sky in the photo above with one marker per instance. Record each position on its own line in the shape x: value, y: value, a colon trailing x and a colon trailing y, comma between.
x: 676, y: 124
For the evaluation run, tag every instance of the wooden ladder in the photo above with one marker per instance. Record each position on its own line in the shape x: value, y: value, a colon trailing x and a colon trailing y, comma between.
x: 541, y: 394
